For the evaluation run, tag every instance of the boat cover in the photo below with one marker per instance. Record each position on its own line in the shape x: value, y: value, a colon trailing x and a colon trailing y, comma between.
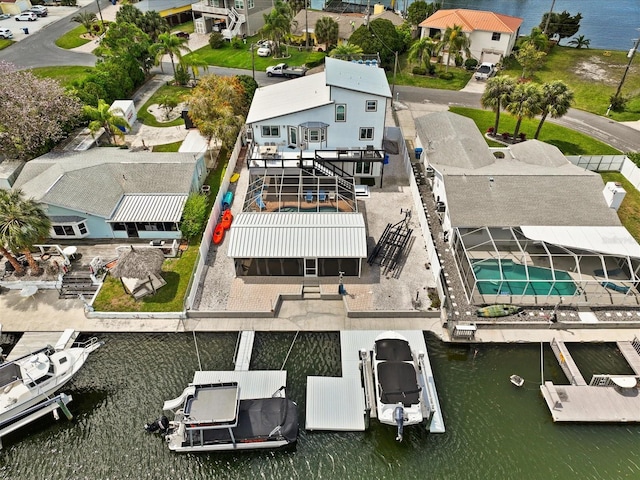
x: 8, y: 373
x: 257, y: 419
x: 398, y: 383
x: 393, y: 349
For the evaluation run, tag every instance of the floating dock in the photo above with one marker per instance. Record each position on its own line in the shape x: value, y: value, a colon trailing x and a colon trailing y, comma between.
x: 607, y: 398
x: 339, y: 403
x: 244, y: 350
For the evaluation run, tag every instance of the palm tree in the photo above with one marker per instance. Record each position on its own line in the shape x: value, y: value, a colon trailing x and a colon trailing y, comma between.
x: 171, y: 45
x: 347, y: 50
x: 524, y: 103
x: 86, y: 19
x: 538, y: 39
x: 278, y: 23
x: 23, y: 223
x: 195, y: 63
x: 326, y: 32
x: 555, y: 100
x: 424, y: 45
x: 497, y: 94
x: 580, y: 42
x: 104, y: 117
x: 454, y: 41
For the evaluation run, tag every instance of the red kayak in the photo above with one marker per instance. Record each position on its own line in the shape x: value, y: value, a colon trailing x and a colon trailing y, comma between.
x: 218, y: 234
x: 227, y: 218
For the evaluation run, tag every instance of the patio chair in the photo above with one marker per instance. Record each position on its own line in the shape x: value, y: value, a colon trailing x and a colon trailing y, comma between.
x: 322, y: 196
x: 260, y: 202
x: 308, y: 196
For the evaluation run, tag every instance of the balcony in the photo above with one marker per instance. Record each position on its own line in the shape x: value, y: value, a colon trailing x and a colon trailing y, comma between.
x: 203, y: 7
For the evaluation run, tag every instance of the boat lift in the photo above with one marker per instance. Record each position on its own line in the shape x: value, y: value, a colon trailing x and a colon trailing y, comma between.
x: 40, y: 410
x: 392, y: 244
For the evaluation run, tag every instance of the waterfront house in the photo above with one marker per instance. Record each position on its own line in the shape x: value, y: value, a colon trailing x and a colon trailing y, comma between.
x: 526, y: 225
x: 492, y: 36
x: 232, y: 18
x: 113, y: 193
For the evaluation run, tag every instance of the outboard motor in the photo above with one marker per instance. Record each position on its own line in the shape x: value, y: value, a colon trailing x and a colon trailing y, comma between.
x: 160, y: 425
x: 398, y: 415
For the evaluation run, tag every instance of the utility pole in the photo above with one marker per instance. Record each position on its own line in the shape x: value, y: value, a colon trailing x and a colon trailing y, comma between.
x: 101, y: 19
x: 253, y: 60
x: 306, y: 25
x: 546, y: 24
x: 631, y: 54
x: 393, y: 86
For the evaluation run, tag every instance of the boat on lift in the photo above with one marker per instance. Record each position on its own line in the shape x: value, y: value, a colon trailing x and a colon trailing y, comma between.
x: 400, y: 386
x: 29, y: 380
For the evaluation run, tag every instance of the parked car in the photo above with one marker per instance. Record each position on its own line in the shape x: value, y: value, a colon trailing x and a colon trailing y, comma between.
x: 181, y: 34
x: 39, y: 10
x: 264, y: 51
x: 26, y: 17
x: 284, y: 70
x: 485, y: 70
x: 5, y: 33
x: 4, y: 16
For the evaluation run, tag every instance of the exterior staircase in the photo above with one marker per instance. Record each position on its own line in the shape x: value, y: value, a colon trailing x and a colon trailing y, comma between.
x: 77, y: 282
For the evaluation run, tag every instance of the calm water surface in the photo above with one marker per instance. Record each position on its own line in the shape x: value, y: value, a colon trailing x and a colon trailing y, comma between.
x: 494, y: 431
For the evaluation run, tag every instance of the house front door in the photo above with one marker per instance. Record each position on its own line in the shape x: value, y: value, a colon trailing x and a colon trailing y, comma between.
x: 310, y: 267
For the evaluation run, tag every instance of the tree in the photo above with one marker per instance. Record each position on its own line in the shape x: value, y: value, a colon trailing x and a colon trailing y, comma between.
x: 524, y: 102
x: 150, y: 22
x: 102, y: 117
x: 538, y: 39
x: 346, y: 50
x: 167, y: 103
x: 580, y: 42
x: 421, y: 47
x: 454, y: 41
x: 278, y: 23
x: 555, y: 100
x: 126, y: 41
x: 86, y: 19
x: 249, y: 87
x: 497, y: 94
x: 216, y: 105
x: 326, y: 32
x: 529, y: 59
x: 195, y: 63
x: 35, y: 114
x: 171, y: 45
x: 23, y: 223
x: 561, y: 24
x: 417, y: 12
x: 380, y: 37
x: 194, y: 215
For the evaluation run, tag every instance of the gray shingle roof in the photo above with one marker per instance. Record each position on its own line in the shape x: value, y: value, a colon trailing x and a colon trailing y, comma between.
x: 94, y: 181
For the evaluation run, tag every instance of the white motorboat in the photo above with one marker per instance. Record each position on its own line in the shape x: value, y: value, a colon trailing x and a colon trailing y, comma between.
x: 32, y: 379
x: 399, y: 382
x: 213, y: 417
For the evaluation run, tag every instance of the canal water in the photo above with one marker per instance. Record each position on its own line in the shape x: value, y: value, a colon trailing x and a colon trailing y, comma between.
x: 494, y: 430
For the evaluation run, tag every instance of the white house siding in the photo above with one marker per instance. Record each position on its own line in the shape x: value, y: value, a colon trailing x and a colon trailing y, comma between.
x: 484, y: 49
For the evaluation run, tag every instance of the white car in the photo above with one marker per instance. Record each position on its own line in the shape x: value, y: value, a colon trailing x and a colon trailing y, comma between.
x: 5, y: 33
x: 264, y: 52
x: 485, y: 70
x: 39, y: 10
x: 26, y: 17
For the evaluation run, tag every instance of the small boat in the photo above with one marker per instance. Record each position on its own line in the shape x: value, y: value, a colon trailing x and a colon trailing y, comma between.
x: 400, y: 385
x: 500, y: 310
x: 29, y: 380
x: 214, y: 417
x: 517, y: 380
x: 218, y: 234
x: 227, y: 218
x: 227, y: 200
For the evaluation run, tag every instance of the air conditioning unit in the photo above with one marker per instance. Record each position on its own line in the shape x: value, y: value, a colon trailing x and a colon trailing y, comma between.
x: 440, y: 207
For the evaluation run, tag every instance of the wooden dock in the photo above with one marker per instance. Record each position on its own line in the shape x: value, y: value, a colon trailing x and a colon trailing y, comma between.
x: 244, y: 351
x: 567, y: 364
x: 32, y: 341
x: 631, y: 352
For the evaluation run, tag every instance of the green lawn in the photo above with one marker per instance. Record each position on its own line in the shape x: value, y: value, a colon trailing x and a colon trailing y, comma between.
x: 176, y: 93
x: 64, y: 75
x: 568, y: 141
x: 167, y: 147
x: 592, y: 90
x: 404, y: 76
x: 230, y: 57
x: 5, y: 43
x: 186, y: 27
x: 629, y: 211
x: 72, y: 38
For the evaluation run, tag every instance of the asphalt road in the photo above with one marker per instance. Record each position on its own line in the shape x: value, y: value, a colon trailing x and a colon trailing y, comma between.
x: 39, y: 50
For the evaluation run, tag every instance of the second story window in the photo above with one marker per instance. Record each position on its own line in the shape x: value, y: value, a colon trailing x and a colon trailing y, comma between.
x: 341, y: 113
x: 495, y: 36
x: 270, y: 131
x: 366, y: 133
x: 239, y: 4
x: 372, y: 106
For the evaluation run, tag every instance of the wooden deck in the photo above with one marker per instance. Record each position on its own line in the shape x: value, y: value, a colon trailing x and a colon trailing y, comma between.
x: 32, y: 341
x: 567, y: 364
x: 631, y: 355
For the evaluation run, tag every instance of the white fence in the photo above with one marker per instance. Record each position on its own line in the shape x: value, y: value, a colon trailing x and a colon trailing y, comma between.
x: 609, y: 163
x: 216, y: 211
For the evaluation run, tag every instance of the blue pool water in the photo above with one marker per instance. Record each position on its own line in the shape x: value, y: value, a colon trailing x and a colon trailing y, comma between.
x: 513, y: 280
x: 296, y: 209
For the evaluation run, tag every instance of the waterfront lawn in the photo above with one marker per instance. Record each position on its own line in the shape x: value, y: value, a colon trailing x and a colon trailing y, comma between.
x: 73, y: 38
x: 593, y: 75
x: 64, y: 75
x: 629, y: 211
x: 175, y: 92
x: 405, y: 76
x: 568, y: 141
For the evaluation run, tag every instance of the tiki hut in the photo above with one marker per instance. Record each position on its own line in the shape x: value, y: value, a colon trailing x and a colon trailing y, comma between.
x: 139, y: 270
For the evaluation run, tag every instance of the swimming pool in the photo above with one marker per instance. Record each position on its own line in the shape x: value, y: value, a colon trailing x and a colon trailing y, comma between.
x: 514, y: 279
x: 296, y: 209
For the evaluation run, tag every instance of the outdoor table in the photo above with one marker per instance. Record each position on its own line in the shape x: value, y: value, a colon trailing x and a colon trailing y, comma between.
x: 624, y: 382
x: 29, y: 291
x: 70, y: 252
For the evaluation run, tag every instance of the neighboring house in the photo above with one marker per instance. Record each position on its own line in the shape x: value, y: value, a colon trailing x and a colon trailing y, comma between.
x: 492, y: 35
x: 525, y: 225
x: 173, y: 11
x: 113, y: 193
x: 14, y: 7
x: 347, y: 23
x: 333, y: 119
x: 233, y: 18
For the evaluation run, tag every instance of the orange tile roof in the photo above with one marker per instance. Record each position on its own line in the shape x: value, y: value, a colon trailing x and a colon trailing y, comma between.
x: 473, y: 20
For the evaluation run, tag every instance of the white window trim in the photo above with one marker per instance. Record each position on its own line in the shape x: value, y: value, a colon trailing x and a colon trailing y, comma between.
x: 270, y: 127
x: 367, y: 138
x: 344, y: 113
x: 366, y: 106
x: 74, y: 225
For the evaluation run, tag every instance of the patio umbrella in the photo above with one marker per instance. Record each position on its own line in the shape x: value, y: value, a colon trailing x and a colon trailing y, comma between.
x: 139, y: 263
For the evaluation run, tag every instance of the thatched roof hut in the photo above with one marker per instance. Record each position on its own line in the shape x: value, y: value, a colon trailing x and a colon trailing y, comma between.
x: 139, y: 264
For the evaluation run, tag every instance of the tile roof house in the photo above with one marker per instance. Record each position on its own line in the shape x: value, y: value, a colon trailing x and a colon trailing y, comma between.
x: 492, y: 35
x: 113, y: 193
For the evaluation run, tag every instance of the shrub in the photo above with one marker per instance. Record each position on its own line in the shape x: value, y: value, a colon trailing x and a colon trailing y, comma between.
x: 446, y: 76
x: 432, y: 293
x: 419, y: 71
x: 216, y: 40
x: 470, y: 63
x: 194, y: 216
x: 458, y: 60
x: 68, y: 3
x: 431, y: 68
x: 236, y: 43
x: 523, y: 136
x: 182, y: 75
x: 505, y: 135
x: 315, y: 63
x: 618, y: 102
x: 634, y: 157
x: 490, y: 130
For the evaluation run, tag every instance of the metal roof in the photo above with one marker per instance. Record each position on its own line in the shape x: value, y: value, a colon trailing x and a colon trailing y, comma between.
x: 356, y: 76
x: 298, y: 235
x: 149, y: 208
x: 253, y: 384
